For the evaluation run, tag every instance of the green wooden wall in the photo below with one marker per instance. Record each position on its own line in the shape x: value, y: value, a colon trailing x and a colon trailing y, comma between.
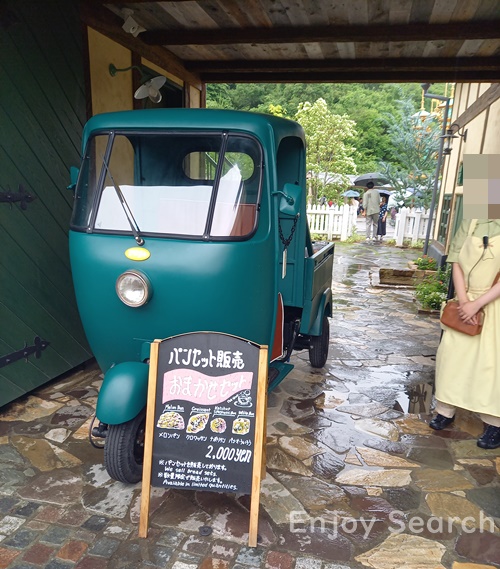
x: 42, y: 113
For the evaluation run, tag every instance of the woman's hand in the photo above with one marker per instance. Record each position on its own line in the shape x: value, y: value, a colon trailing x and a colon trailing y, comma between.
x: 468, y: 311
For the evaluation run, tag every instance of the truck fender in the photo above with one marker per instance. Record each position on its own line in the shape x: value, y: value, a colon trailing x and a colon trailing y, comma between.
x: 324, y: 307
x: 123, y: 393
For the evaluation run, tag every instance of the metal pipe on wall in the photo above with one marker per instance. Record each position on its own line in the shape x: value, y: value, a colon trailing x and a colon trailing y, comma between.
x: 439, y: 164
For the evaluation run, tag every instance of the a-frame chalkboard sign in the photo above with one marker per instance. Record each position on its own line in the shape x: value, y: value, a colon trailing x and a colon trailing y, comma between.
x: 205, y: 422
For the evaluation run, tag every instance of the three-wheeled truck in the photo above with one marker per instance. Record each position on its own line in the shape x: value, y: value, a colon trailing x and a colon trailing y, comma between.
x: 191, y: 220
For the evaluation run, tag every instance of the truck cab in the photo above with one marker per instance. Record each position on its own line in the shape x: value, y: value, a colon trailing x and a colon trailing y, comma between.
x: 190, y: 220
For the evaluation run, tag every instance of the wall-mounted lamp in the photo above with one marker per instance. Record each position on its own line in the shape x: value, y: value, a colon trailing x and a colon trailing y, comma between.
x: 150, y: 88
x: 132, y: 27
x: 449, y: 136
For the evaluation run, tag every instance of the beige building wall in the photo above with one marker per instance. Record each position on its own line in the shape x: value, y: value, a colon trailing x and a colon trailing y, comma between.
x: 110, y: 93
x: 492, y: 133
x: 482, y: 138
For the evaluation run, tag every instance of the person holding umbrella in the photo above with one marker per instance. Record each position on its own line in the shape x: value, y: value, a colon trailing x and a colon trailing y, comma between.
x: 371, y: 204
x: 381, y: 229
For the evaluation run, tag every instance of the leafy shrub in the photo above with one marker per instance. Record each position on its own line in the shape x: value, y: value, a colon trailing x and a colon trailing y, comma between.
x: 426, y: 263
x: 432, y: 291
x: 355, y: 237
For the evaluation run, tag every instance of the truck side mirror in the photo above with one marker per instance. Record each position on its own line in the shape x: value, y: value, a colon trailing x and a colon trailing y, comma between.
x: 73, y: 176
x: 291, y: 196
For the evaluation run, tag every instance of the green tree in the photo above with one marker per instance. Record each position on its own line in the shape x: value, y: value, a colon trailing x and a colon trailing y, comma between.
x: 366, y: 103
x: 218, y: 96
x: 277, y: 110
x: 330, y: 152
x: 415, y: 143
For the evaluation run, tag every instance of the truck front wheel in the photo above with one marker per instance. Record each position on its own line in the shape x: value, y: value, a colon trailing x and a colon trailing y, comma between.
x: 318, y: 345
x: 124, y: 449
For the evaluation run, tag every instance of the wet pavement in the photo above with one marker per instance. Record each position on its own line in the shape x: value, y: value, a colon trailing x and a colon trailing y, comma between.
x: 355, y: 477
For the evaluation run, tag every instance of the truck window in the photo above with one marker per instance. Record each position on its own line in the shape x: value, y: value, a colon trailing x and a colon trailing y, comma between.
x: 181, y: 185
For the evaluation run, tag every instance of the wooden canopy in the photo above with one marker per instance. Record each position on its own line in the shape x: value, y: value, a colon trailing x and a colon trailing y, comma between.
x: 311, y: 40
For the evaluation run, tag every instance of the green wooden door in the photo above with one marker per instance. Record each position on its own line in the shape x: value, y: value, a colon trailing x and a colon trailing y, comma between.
x: 42, y: 112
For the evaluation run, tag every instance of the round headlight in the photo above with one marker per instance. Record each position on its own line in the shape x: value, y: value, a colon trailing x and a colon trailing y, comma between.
x: 133, y: 288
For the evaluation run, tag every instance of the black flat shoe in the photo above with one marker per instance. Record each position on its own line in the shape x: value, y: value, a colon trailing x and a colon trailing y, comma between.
x: 490, y: 439
x: 440, y: 422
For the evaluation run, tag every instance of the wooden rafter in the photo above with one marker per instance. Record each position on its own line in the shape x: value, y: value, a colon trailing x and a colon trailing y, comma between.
x: 313, y: 34
x: 389, y: 64
x: 485, y: 101
x: 354, y: 76
x: 232, y: 41
x: 369, y: 70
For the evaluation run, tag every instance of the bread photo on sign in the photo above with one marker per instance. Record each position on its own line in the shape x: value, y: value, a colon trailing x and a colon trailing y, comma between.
x: 218, y: 425
x: 170, y: 420
x: 197, y: 423
x: 241, y: 426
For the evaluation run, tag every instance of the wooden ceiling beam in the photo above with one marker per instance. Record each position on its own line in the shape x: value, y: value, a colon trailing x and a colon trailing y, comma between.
x: 417, y: 65
x: 353, y: 33
x: 478, y: 106
x: 122, y: 3
x: 354, y: 76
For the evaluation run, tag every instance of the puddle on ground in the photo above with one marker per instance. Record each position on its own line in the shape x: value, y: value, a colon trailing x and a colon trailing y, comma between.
x: 353, y: 269
x: 415, y: 399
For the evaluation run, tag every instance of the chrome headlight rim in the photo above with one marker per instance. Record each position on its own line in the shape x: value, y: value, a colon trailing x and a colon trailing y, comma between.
x: 144, y: 282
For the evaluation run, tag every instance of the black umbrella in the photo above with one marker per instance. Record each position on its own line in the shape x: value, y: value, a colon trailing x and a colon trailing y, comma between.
x: 376, y: 177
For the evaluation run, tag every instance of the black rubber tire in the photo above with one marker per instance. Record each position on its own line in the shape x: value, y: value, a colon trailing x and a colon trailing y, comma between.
x: 318, y: 345
x: 124, y: 450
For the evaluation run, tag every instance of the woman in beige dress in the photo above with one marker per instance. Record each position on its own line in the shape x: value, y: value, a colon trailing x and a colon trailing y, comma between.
x: 468, y: 367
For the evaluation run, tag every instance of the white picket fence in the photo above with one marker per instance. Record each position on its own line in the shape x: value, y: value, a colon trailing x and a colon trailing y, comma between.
x: 411, y: 223
x: 337, y: 222
x: 332, y: 222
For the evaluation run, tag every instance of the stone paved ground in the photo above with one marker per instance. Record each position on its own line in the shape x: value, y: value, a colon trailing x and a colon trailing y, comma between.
x: 355, y: 478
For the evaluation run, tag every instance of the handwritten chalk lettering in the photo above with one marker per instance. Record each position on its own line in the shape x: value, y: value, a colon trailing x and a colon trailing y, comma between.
x: 224, y: 411
x: 218, y: 440
x: 192, y: 357
x: 209, y: 480
x: 229, y: 454
x: 202, y: 389
x: 205, y: 394
x: 165, y: 435
x: 177, y: 408
x: 201, y: 410
x: 242, y: 442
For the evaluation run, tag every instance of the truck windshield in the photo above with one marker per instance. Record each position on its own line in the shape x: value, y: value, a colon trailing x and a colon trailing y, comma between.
x: 192, y: 185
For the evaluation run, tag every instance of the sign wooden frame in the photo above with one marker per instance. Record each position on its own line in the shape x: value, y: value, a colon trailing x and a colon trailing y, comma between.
x: 258, y: 463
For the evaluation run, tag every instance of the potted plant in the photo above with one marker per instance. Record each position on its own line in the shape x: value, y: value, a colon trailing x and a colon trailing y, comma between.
x: 431, y: 292
x: 424, y: 263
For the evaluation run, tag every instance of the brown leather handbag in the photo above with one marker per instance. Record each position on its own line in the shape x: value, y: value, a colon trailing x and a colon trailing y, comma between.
x: 451, y: 318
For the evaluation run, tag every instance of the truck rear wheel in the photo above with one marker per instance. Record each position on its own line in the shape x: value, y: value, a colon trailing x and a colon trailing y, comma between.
x: 124, y: 450
x: 318, y: 345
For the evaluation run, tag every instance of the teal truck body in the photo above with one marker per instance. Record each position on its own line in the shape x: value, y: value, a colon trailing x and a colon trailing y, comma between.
x: 191, y: 220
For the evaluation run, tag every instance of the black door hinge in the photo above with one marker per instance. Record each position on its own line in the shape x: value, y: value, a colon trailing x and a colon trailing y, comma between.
x: 38, y: 346
x: 19, y: 196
